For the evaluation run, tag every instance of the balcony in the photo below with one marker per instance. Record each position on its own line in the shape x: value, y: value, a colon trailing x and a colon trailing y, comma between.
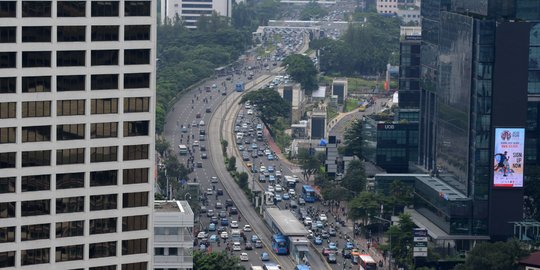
x: 179, y: 261
x: 174, y: 238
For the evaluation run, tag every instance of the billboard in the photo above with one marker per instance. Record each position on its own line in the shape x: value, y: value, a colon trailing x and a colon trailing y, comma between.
x: 508, y: 158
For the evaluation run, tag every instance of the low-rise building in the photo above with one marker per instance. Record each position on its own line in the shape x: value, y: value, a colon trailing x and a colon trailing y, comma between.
x: 189, y: 11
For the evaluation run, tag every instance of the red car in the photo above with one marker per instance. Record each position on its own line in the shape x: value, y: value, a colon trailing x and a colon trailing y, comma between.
x: 326, y: 251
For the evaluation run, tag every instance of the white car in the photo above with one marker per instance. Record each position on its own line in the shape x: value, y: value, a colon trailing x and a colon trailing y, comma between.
x: 271, y: 189
x: 201, y: 123
x: 209, y: 191
x: 195, y: 143
x: 322, y: 217
x: 278, y: 188
x: 250, y: 112
x: 267, y: 152
x: 307, y: 221
x: 292, y: 192
x: 234, y: 224
x: 213, y: 180
x: 202, y: 235
x: 236, y: 246
x: 247, y: 228
x: 244, y: 257
x: 244, y: 125
x: 262, y: 169
x: 224, y: 235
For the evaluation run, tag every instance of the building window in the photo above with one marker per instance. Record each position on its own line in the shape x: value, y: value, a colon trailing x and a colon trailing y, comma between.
x: 70, y: 58
x: 70, y: 83
x: 104, y: 106
x: 8, y: 135
x: 136, y: 56
x: 137, y: 8
x: 104, y: 130
x: 36, y: 84
x: 7, y: 160
x: 104, y: 154
x: 105, y: 32
x: 36, y: 134
x: 69, y: 156
x: 70, y: 107
x: 105, y: 58
x: 35, y: 208
x: 35, y: 232
x: 134, y: 246
x: 101, y: 250
x: 70, y: 33
x: 36, y: 109
x: 7, y: 210
x: 7, y: 235
x: 8, y: 59
x: 104, y: 82
x: 35, y: 256
x: 7, y: 185
x: 36, y: 8
x: 135, y: 176
x: 36, y: 183
x: 135, y: 152
x: 8, y: 110
x: 136, y: 128
x: 69, y: 180
x: 36, y: 34
x: 71, y: 9
x: 103, y: 202
x: 135, y: 266
x: 107, y: 267
x: 8, y: 34
x: 136, y: 80
x: 69, y: 253
x: 36, y: 59
x: 69, y: 228
x: 70, y: 132
x: 69, y: 205
x: 103, y: 225
x: 134, y: 223
x: 103, y: 178
x: 136, y: 104
x: 135, y: 199
x: 136, y: 32
x: 105, y: 8
x: 36, y: 158
x: 8, y: 9
x: 8, y: 85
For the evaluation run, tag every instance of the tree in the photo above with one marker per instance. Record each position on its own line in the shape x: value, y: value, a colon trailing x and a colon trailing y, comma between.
x: 401, y: 241
x: 302, y: 70
x: 312, y: 10
x: 354, y: 139
x: 175, y: 169
x: 243, y: 180
x: 363, y: 206
x: 532, y: 192
x: 215, y: 261
x: 355, y: 177
x: 309, y: 164
x: 224, y: 145
x: 494, y: 256
x: 270, y: 105
x: 162, y: 146
x: 231, y: 164
x: 400, y: 196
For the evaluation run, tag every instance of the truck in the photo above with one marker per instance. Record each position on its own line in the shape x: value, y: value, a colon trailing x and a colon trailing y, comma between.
x: 239, y: 87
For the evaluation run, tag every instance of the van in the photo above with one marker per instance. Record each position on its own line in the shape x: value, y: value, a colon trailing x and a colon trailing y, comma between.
x: 208, y: 110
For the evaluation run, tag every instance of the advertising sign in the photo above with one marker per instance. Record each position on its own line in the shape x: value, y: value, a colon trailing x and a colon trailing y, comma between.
x: 508, y: 157
x: 420, y: 242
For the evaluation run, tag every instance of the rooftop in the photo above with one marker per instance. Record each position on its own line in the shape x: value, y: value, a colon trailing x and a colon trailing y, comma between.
x: 532, y: 260
x: 286, y: 222
x: 172, y: 206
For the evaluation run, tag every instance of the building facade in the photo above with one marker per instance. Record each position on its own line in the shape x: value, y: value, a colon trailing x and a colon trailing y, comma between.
x: 77, y: 124
x: 173, y: 235
x: 189, y: 11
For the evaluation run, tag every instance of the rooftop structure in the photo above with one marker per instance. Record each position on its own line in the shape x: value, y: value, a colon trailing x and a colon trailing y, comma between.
x: 284, y: 222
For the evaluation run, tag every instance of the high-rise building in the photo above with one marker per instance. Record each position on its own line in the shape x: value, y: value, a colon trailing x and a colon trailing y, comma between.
x: 77, y: 109
x: 189, y: 11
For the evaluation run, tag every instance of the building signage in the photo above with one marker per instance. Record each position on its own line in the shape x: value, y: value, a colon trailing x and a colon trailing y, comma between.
x: 420, y: 242
x: 508, y: 157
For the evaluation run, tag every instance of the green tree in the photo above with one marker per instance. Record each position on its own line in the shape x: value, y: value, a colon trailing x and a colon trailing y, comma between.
x: 309, y: 164
x: 231, y: 164
x: 400, y: 196
x: 532, y: 192
x: 312, y: 10
x: 401, y: 241
x: 354, y: 139
x: 175, y: 169
x: 243, y: 180
x: 494, y: 256
x: 355, y: 177
x: 162, y: 146
x: 270, y: 105
x: 302, y: 70
x: 215, y: 261
x: 363, y: 206
x: 224, y: 145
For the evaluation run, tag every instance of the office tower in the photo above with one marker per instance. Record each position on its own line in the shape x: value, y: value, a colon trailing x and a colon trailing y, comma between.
x: 189, y: 11
x: 77, y: 134
x: 318, y: 124
x: 340, y: 89
x: 409, y: 73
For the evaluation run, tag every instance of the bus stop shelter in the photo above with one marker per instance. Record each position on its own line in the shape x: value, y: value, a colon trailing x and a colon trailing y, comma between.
x: 285, y: 223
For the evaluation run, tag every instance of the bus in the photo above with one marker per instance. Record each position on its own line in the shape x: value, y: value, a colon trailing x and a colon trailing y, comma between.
x: 308, y: 194
x: 365, y: 262
x: 302, y: 267
x: 280, y: 244
x: 183, y: 149
x: 256, y: 267
x: 271, y: 267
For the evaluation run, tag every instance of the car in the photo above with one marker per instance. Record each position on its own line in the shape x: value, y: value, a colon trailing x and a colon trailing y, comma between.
x: 277, y: 197
x: 224, y: 222
x: 237, y: 246
x: 219, y: 191
x: 241, y: 147
x: 202, y: 235
x: 332, y: 246
x: 184, y: 129
x: 204, y: 156
x: 271, y: 169
x: 234, y: 224
x: 286, y: 196
x: 301, y: 201
x: 218, y: 205
x: 247, y: 228
x: 262, y: 169
x: 326, y: 251
x: 233, y: 211
x: 262, y: 178
x: 258, y: 244
x: 224, y: 235
x: 320, y: 224
x: 248, y: 246
x: 318, y: 240
x: 250, y: 112
x: 254, y: 146
x: 332, y: 232
x: 254, y: 155
x: 214, y: 219
x: 270, y: 157
x: 244, y: 257
x: 278, y: 174
x: 203, y: 209
x: 278, y: 188
x: 347, y: 254
x: 209, y: 191
x: 254, y: 238
x: 271, y: 178
x: 265, y: 257
x: 199, y: 164
x: 267, y: 152
x: 214, y: 179
x: 324, y: 234
x: 222, y: 214
x: 196, y: 143
x: 292, y: 192
x: 210, y: 213
x: 211, y: 227
x: 332, y: 258
x: 271, y: 189
x: 349, y: 245
x: 310, y: 234
x: 202, y: 147
x: 228, y: 202
x: 322, y: 217
x: 213, y: 238
x: 307, y: 221
x: 194, y: 124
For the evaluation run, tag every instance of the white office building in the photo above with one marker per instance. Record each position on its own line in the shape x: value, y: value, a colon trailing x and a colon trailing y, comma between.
x: 173, y: 235
x: 189, y: 11
x: 77, y: 95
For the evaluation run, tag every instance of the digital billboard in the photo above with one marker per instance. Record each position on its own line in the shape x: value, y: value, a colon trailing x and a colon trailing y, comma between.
x: 508, y: 158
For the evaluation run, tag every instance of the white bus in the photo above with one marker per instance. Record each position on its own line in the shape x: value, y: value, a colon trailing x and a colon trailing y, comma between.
x: 256, y: 267
x: 183, y: 149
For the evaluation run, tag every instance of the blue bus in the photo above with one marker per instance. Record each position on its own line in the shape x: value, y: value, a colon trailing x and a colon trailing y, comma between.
x: 308, y: 194
x: 301, y: 267
x: 280, y: 244
x: 239, y: 87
